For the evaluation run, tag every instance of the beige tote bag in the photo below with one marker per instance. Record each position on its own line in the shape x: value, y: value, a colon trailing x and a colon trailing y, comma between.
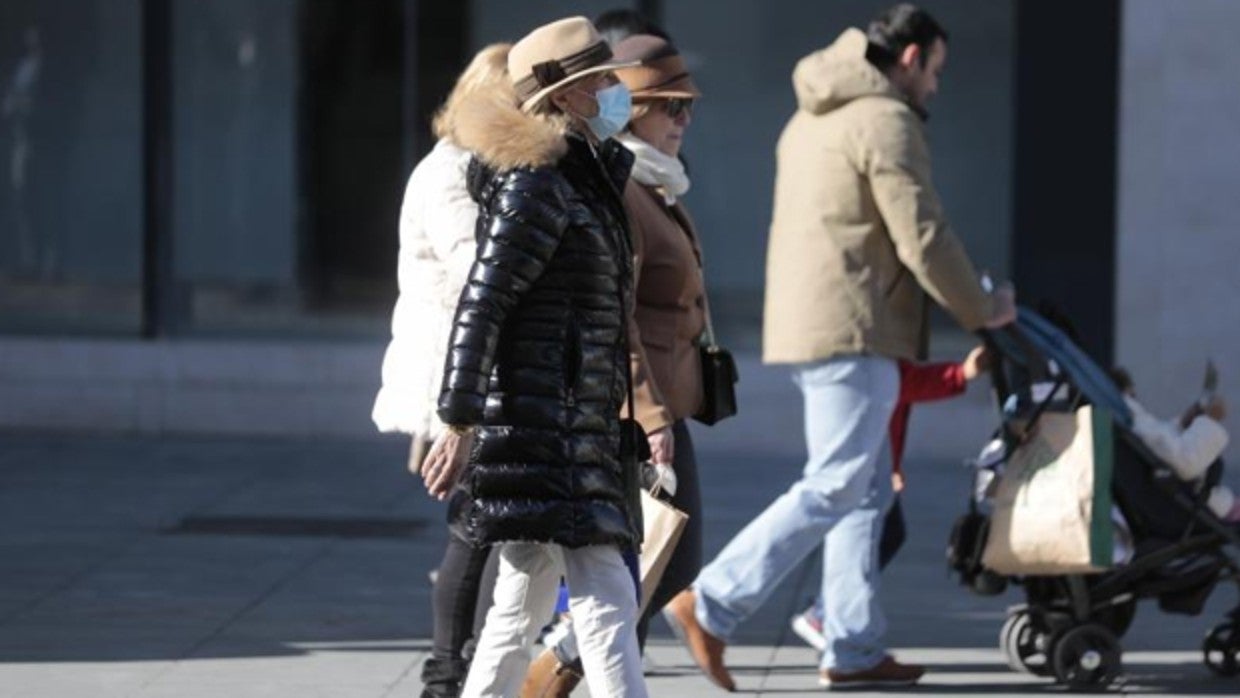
x: 1052, y: 510
x: 662, y: 526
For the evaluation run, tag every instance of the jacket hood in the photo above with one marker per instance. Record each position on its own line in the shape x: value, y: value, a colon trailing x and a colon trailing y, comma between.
x: 834, y: 76
x: 492, y: 126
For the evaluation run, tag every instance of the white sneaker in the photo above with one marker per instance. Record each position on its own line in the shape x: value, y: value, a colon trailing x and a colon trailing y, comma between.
x: 809, y: 629
x: 559, y: 630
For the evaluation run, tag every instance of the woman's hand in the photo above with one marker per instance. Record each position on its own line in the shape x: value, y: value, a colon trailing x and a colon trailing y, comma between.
x: 662, y: 446
x: 445, y: 461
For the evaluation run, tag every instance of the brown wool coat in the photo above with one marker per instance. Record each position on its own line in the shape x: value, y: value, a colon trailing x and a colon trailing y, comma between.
x: 669, y: 312
x: 858, y: 237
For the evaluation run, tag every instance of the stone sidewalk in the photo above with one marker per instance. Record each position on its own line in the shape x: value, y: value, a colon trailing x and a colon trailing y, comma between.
x: 259, y: 568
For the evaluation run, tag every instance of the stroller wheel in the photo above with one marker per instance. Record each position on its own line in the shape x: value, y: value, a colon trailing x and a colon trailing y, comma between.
x: 1221, y: 649
x: 1023, y: 645
x: 1086, y: 656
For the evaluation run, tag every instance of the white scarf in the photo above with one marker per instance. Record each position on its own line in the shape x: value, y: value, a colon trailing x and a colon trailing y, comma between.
x: 656, y: 169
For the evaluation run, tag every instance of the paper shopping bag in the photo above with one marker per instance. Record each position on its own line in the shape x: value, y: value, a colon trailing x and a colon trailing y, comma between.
x: 662, y: 526
x: 1052, y: 510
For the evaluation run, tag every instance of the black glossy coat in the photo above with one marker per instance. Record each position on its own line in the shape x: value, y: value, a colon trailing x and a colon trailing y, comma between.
x: 538, y: 357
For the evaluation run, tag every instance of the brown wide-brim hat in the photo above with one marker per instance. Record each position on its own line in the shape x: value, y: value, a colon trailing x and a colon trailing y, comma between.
x: 660, y: 72
x: 555, y: 55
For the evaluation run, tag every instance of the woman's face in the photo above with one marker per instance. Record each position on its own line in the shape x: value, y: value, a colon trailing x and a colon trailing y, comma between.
x: 664, y: 123
x: 577, y: 99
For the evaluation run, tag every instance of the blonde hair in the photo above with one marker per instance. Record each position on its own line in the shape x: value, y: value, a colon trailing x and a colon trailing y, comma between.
x: 487, y: 72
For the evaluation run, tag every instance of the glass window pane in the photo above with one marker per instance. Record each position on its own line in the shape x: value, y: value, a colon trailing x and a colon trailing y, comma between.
x: 287, y: 152
x: 70, y: 166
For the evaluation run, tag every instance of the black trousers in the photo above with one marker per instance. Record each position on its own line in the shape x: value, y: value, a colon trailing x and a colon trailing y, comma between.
x: 466, y: 574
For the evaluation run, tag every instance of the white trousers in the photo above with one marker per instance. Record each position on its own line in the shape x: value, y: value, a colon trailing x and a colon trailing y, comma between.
x: 603, y: 602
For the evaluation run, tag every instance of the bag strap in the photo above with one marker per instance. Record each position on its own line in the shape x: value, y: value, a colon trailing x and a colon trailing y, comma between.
x: 682, y: 221
x: 709, y: 336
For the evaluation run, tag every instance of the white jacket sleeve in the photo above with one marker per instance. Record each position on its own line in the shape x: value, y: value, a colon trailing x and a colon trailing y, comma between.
x: 1188, y: 451
x: 449, y: 224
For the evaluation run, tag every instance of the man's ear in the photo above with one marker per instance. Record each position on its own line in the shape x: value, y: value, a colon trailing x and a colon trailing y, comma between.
x: 910, y: 57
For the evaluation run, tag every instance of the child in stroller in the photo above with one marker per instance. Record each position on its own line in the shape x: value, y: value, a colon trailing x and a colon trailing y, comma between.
x: 1190, y: 445
x: 1070, y: 626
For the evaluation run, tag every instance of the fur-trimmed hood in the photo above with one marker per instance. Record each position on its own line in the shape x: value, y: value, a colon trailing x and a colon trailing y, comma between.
x: 503, y: 137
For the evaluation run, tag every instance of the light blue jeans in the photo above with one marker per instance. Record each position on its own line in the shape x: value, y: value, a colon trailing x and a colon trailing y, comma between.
x: 841, y: 498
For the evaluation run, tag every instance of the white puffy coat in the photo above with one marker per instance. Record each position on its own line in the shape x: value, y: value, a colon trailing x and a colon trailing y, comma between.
x: 1190, y: 452
x: 437, y: 248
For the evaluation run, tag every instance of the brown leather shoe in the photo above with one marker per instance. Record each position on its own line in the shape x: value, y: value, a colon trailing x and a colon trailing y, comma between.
x: 706, y: 649
x: 549, y: 678
x: 888, y: 673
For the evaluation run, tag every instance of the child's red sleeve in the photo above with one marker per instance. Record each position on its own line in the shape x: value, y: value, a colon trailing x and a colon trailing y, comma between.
x: 926, y: 382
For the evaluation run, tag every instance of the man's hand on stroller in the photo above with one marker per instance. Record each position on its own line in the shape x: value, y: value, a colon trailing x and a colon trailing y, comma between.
x: 1004, y: 312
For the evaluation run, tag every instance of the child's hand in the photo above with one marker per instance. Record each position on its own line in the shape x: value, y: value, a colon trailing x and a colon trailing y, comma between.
x: 976, y: 363
x: 1217, y: 409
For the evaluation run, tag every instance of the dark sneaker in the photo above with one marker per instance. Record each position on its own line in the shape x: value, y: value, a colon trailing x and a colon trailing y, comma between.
x: 443, y: 678
x: 888, y: 673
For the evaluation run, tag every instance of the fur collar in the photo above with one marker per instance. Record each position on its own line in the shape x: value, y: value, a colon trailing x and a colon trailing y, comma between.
x: 503, y: 137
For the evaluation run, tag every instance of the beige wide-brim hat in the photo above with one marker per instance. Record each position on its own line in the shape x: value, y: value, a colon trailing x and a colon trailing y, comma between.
x: 660, y: 72
x: 555, y: 55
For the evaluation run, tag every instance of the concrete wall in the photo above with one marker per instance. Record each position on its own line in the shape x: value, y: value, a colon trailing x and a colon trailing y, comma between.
x: 1179, y: 214
x: 200, y: 387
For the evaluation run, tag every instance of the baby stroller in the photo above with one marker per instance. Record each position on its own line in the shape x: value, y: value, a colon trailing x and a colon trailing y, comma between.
x: 1070, y: 626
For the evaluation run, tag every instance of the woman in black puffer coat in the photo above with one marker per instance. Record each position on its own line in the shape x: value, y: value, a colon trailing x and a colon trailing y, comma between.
x: 537, y: 369
x: 539, y: 355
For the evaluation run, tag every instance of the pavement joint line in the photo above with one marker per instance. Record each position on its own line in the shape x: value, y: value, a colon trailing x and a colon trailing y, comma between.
x: 414, y: 661
x: 116, y: 552
x: 227, y: 494
x: 783, y: 639
x: 325, y: 548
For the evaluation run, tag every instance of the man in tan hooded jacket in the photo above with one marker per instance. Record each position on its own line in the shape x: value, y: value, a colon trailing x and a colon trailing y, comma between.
x: 858, y: 245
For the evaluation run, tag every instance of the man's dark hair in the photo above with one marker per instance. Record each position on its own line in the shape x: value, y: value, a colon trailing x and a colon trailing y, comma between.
x: 619, y: 24
x: 897, y: 29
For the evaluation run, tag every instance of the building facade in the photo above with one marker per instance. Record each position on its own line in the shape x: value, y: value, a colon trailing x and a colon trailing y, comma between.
x: 198, y: 201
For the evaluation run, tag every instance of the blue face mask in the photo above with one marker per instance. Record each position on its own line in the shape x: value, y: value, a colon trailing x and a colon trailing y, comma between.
x: 614, y: 107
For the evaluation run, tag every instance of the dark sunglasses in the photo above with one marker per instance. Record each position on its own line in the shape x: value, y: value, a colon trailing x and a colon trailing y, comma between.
x: 674, y: 106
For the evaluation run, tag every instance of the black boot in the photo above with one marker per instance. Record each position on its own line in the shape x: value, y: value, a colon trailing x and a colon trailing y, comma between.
x: 443, y: 678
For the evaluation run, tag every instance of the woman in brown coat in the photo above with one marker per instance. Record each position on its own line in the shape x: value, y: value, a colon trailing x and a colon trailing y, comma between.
x: 670, y: 316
